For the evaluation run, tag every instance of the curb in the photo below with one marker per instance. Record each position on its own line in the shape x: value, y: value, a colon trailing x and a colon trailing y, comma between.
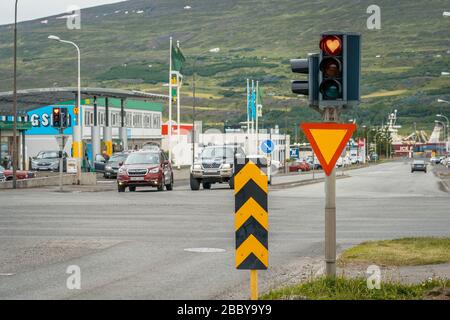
x: 303, y: 182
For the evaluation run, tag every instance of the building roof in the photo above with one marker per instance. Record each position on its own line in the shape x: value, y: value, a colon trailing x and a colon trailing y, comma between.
x: 30, y: 99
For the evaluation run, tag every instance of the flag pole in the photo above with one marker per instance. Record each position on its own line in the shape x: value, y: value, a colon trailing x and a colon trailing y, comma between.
x: 257, y: 116
x: 253, y: 116
x: 178, y: 105
x: 248, y: 114
x: 169, y: 127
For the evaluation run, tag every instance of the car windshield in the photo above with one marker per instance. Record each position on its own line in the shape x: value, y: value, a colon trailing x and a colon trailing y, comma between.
x: 143, y: 158
x: 47, y: 155
x: 419, y: 162
x: 118, y: 158
x: 217, y: 152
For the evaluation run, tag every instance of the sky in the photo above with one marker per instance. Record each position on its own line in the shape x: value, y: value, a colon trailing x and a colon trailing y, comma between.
x: 34, y: 9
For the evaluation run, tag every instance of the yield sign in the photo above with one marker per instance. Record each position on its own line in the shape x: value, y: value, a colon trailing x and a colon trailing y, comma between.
x: 328, y: 140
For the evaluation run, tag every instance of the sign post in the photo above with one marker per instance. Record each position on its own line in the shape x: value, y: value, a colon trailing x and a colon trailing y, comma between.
x: 328, y: 140
x: 251, y: 218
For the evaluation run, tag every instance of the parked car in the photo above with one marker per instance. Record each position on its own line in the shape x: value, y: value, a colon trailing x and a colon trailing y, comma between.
x: 20, y: 174
x: 112, y: 165
x: 356, y: 159
x: 418, y: 165
x: 145, y: 168
x: 373, y: 157
x: 299, y: 166
x: 48, y: 161
x: 215, y: 165
x: 435, y: 160
x: 2, y: 176
x: 314, y: 164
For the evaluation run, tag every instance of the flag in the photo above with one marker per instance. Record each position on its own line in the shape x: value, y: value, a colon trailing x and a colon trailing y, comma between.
x: 249, y: 102
x: 177, y: 59
x: 260, y: 96
x: 253, y: 105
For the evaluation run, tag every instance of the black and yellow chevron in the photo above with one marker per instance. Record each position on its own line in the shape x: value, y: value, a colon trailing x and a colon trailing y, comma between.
x: 251, y: 218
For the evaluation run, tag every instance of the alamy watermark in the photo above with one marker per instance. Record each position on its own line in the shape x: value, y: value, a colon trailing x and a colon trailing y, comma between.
x: 374, y: 20
x: 373, y: 277
x: 73, y: 282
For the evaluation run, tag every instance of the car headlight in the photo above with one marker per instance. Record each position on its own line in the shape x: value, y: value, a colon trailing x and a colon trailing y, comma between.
x: 197, y: 166
x: 108, y: 168
x: 121, y: 171
x: 226, y: 166
x: 154, y: 170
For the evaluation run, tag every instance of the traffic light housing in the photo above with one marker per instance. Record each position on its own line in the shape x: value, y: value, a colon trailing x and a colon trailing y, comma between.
x: 310, y: 87
x: 339, y: 69
x: 56, y: 117
x: 64, y: 117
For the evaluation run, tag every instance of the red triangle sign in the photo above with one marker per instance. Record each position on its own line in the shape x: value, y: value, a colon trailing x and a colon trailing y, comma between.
x: 328, y: 140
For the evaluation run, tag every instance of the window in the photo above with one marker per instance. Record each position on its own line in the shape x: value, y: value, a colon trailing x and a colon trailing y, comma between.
x: 156, y: 121
x: 128, y: 120
x: 101, y: 116
x: 137, y: 120
x: 147, y: 121
x: 88, y: 118
x: 115, y: 119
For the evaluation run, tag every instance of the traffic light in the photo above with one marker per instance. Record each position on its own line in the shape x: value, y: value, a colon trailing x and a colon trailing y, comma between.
x: 64, y: 117
x: 308, y: 87
x: 339, y: 69
x: 56, y: 117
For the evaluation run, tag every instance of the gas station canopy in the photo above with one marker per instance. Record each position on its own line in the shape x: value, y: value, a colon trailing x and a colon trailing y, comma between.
x: 30, y: 99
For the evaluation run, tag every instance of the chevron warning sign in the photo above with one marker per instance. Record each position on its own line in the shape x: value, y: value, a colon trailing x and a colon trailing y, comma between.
x: 251, y: 218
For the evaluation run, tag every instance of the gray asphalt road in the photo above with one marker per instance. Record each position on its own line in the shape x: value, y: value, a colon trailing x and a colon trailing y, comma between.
x: 132, y: 245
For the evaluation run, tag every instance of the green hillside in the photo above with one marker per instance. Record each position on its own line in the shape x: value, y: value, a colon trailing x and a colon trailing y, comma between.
x: 402, y: 62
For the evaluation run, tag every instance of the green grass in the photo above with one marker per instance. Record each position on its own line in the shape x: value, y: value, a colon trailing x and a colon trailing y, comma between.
x: 399, y: 252
x: 342, y: 288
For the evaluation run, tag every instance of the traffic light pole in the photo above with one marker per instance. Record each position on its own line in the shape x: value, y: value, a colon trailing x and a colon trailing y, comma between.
x: 61, y: 161
x: 330, y: 115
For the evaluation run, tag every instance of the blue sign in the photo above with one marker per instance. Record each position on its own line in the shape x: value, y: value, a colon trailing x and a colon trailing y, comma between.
x: 41, y: 121
x: 267, y: 146
x: 295, y: 153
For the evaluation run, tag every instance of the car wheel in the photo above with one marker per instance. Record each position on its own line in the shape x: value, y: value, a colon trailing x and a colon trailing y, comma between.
x: 169, y: 186
x: 132, y: 189
x: 231, y: 182
x: 121, y: 188
x: 206, y: 185
x: 195, y: 183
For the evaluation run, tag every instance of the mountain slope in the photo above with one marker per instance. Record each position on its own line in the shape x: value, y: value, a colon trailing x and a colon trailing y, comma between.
x: 402, y: 62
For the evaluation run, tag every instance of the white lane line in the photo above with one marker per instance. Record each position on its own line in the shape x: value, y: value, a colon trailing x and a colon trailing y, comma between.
x: 205, y: 250
x: 6, y: 274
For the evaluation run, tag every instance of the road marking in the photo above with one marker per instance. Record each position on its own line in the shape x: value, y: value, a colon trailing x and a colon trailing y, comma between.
x: 205, y: 250
x: 6, y: 274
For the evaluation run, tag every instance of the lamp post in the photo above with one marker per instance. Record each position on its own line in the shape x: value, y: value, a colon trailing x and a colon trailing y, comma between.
x: 448, y: 122
x: 15, y: 161
x: 443, y: 125
x: 77, y: 136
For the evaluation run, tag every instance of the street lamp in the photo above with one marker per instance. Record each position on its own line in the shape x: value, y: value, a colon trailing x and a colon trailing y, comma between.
x: 443, y: 125
x: 15, y: 161
x: 448, y: 127
x: 77, y: 137
x: 442, y: 100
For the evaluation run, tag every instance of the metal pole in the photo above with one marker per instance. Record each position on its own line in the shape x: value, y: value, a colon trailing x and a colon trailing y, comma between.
x: 61, y: 162
x: 193, y: 111
x: 15, y: 150
x: 330, y: 115
x: 169, y: 127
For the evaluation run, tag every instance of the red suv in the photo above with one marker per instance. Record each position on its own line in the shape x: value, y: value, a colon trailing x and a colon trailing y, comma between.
x: 145, y: 169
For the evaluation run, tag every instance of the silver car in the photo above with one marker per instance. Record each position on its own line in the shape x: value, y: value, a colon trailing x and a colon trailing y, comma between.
x: 215, y: 165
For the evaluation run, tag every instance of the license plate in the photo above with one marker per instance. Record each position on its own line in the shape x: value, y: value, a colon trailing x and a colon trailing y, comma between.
x: 136, y: 178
